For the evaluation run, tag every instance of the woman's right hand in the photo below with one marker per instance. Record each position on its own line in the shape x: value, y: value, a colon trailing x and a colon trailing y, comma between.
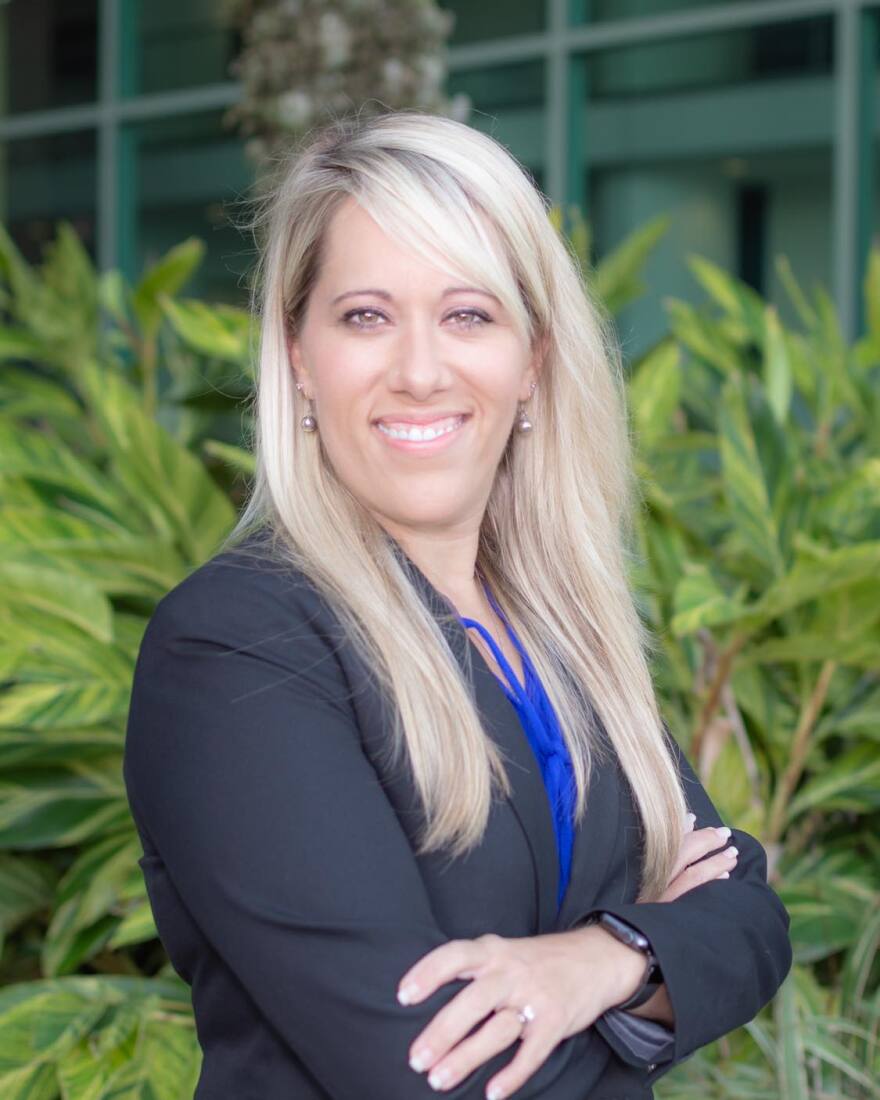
x: 687, y: 874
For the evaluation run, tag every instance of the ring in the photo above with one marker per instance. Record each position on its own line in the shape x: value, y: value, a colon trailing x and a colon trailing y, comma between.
x: 527, y: 1013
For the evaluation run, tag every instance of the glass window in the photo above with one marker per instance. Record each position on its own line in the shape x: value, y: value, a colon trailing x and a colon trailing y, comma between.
x: 48, y: 53
x: 595, y: 11
x: 508, y: 103
x: 745, y: 55
x: 478, y: 22
x: 44, y: 180
x: 187, y: 176
x: 171, y: 45
x: 742, y: 166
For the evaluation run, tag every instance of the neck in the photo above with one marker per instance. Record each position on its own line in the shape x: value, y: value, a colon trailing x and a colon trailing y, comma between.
x: 447, y: 558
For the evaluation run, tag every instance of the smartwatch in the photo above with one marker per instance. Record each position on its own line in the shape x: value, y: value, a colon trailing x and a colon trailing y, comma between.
x: 632, y: 937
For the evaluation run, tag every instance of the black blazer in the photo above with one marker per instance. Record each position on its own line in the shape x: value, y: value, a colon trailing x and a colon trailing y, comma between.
x: 278, y: 858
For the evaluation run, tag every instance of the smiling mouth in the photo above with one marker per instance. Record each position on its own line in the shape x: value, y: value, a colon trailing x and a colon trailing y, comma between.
x: 421, y: 433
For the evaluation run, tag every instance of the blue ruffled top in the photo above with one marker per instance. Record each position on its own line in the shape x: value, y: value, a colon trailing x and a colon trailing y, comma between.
x: 544, y: 734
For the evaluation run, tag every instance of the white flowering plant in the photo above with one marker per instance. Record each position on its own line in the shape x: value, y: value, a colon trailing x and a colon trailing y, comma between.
x: 304, y: 62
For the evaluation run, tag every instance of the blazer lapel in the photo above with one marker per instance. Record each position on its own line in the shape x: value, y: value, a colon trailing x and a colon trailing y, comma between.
x: 595, y: 841
x: 596, y: 837
x: 528, y: 799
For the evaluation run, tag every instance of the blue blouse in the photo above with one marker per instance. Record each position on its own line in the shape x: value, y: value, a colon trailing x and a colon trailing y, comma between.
x: 648, y: 1041
x: 545, y: 736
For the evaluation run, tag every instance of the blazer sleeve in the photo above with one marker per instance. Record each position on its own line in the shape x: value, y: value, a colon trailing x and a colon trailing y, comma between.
x: 243, y: 764
x: 723, y: 947
x: 637, y: 1040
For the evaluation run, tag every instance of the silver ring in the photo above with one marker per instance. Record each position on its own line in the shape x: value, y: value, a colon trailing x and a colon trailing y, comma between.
x: 527, y: 1013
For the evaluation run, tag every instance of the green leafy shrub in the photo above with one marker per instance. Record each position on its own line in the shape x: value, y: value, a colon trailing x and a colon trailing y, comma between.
x: 121, y: 468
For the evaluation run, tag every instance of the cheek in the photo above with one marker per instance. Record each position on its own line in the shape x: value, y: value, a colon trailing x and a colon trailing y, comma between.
x: 494, y: 381
x: 342, y: 389
x: 342, y: 411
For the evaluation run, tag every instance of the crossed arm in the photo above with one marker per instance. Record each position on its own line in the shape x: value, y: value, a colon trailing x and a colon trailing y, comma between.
x: 236, y: 760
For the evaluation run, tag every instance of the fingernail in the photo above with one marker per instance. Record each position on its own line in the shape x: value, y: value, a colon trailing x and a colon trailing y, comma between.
x: 689, y: 820
x: 407, y: 992
x: 420, y: 1060
x: 438, y: 1078
x: 724, y: 874
x: 723, y: 832
x: 731, y: 852
x: 494, y: 1093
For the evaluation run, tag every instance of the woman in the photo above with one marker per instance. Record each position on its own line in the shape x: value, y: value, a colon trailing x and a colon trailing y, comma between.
x: 411, y: 819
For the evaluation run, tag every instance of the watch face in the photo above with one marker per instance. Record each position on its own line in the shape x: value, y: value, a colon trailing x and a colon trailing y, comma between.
x: 625, y: 932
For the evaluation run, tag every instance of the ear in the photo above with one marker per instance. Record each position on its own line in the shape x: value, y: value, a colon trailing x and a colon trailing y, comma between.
x: 294, y: 358
x: 533, y: 372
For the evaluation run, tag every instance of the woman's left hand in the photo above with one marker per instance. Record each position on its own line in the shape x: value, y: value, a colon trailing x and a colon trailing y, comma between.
x: 567, y: 978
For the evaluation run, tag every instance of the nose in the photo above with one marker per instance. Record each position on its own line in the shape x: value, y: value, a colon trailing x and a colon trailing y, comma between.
x: 418, y: 366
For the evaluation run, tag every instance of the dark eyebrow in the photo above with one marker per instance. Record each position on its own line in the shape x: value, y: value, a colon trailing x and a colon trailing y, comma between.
x: 384, y: 294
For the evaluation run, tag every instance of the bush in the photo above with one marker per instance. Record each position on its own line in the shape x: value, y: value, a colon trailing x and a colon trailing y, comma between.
x: 121, y: 468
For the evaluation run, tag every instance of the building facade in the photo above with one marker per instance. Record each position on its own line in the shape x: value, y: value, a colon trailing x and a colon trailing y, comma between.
x: 750, y: 123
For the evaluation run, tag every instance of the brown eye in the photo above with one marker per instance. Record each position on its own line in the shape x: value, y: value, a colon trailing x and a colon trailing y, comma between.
x: 353, y: 313
x: 473, y: 317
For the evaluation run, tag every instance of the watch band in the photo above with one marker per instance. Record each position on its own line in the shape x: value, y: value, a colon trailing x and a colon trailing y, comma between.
x: 632, y: 937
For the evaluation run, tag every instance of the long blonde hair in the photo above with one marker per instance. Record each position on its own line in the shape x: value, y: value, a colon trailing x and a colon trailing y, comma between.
x: 557, y: 532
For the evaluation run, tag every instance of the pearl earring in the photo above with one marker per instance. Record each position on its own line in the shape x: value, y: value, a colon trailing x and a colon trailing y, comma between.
x: 308, y: 422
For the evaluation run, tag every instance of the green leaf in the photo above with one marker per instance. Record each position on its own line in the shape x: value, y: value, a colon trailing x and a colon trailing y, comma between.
x: 42, y: 458
x: 851, y: 782
x: 861, y: 653
x: 237, y: 458
x: 24, y: 393
x: 798, y: 299
x: 19, y: 344
x: 26, y: 886
x: 31, y: 747
x: 69, y: 598
x: 617, y: 277
x: 791, y: 1066
x: 699, y: 602
x: 811, y: 578
x: 736, y: 298
x: 872, y: 292
x: 88, y: 894
x: 654, y: 393
x: 97, y: 1037
x: 744, y: 481
x: 702, y: 336
x: 137, y: 926
x: 113, y: 296
x: 850, y: 510
x: 43, y: 1025
x: 165, y: 482
x: 860, y: 962
x: 218, y: 331
x: 62, y: 807
x: 68, y: 270
x: 165, y: 278
x: 115, y: 562
x: 777, y: 370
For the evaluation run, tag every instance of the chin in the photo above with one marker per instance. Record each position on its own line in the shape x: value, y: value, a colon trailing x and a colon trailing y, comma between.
x: 425, y: 518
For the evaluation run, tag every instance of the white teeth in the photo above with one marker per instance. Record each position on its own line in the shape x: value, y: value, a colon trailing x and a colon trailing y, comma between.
x: 418, y: 435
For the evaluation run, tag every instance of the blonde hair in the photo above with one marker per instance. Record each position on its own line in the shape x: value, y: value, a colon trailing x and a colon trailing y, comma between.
x: 554, y: 542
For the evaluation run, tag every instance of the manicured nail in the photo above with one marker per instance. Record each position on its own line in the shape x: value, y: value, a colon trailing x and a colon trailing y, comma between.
x: 689, y: 821
x: 724, y: 874
x: 420, y: 1060
x: 407, y: 992
x: 732, y: 852
x: 723, y: 832
x: 494, y: 1093
x: 438, y: 1077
